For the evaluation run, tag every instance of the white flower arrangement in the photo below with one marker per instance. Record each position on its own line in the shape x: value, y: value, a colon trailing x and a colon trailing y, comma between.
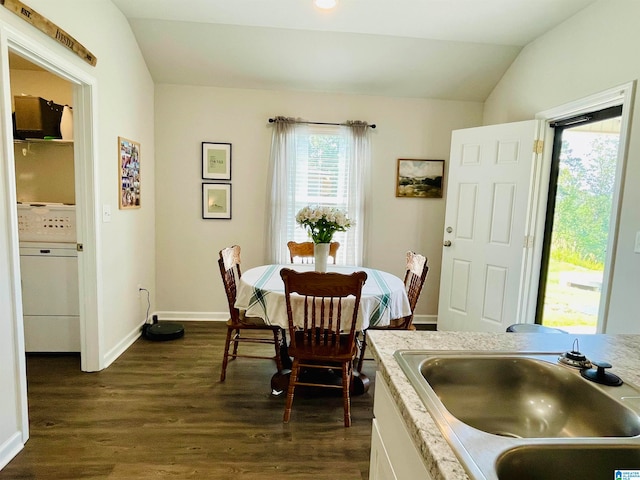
x: 322, y: 222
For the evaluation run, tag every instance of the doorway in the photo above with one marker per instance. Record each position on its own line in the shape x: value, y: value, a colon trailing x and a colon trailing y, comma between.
x: 45, y: 191
x: 85, y: 167
x: 470, y: 298
x: 578, y: 219
x: 85, y: 192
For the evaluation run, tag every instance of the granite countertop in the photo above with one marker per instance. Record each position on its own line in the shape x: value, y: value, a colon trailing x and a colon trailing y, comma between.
x: 622, y: 351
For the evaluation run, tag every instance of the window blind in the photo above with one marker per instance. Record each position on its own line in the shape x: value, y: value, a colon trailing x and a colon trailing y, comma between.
x: 320, y: 177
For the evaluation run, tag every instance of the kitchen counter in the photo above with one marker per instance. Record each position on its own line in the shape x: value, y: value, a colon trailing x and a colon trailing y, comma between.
x: 622, y: 351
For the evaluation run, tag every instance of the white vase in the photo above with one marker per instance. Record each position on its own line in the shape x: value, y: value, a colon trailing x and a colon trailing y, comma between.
x: 320, y: 254
x: 66, y: 123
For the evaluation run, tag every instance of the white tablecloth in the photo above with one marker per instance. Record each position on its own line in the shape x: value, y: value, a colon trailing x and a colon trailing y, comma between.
x: 261, y: 294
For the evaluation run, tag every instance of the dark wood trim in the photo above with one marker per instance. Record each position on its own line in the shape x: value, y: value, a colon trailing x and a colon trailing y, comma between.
x: 46, y: 26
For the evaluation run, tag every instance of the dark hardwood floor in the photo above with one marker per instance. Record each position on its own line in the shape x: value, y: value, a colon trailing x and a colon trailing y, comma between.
x: 159, y: 411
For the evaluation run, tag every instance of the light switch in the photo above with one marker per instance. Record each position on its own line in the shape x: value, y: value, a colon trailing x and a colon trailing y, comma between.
x: 106, y: 213
x: 636, y: 249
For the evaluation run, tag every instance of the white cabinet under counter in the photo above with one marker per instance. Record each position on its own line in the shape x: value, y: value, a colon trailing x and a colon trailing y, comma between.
x: 394, y: 456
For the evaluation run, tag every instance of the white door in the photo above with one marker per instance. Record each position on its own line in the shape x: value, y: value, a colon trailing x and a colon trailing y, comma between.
x: 489, y: 183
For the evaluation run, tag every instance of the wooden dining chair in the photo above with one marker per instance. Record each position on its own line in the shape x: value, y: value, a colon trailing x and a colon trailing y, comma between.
x: 238, y: 323
x: 304, y: 251
x: 415, y: 275
x: 322, y: 325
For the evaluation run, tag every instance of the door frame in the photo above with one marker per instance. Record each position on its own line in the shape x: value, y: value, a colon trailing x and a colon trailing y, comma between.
x: 86, y: 188
x: 620, y: 95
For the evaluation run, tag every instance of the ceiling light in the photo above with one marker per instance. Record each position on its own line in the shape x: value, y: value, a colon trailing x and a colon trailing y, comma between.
x: 325, y: 4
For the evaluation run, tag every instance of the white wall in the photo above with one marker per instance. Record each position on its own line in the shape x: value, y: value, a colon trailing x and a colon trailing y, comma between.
x: 188, y: 279
x: 125, y: 108
x: 41, y: 84
x: 591, y: 52
x: 124, y: 90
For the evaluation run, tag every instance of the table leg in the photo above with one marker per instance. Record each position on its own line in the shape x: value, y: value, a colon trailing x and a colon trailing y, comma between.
x: 284, y: 352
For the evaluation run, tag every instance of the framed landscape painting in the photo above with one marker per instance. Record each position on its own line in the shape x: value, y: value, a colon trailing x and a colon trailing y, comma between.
x: 216, y: 200
x: 216, y: 161
x: 419, y: 178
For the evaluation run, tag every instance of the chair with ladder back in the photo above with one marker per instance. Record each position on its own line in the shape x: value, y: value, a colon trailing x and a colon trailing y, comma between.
x: 304, y: 251
x: 416, y: 273
x: 238, y: 323
x: 322, y: 321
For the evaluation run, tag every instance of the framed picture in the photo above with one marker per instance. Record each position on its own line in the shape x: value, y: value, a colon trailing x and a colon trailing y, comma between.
x: 420, y: 178
x: 216, y: 200
x: 216, y: 161
x: 129, y: 173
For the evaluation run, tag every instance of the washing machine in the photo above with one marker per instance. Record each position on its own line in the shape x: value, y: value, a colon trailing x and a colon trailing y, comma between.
x: 49, y: 271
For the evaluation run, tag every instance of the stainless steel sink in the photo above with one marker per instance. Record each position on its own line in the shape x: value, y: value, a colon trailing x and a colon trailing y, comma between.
x: 501, y: 411
x: 525, y: 397
x: 573, y: 461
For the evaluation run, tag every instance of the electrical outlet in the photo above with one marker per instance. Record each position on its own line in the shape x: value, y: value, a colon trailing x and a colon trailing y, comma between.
x: 636, y: 248
x: 139, y: 290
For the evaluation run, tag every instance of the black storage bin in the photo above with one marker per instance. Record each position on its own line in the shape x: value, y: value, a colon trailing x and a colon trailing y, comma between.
x: 36, y: 117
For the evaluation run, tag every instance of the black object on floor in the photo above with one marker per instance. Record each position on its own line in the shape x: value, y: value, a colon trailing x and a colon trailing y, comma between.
x: 161, y: 332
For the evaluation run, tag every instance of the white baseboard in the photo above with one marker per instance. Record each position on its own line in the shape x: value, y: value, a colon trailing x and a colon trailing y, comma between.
x: 126, y: 342
x: 10, y: 448
x: 134, y: 334
x: 122, y: 346
x: 425, y: 319
x: 193, y: 316
x: 224, y: 316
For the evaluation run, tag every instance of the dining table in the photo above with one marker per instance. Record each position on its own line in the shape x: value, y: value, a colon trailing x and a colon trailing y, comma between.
x: 261, y: 294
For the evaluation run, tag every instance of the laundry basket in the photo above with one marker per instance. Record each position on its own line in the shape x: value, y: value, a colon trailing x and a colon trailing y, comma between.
x: 47, y: 222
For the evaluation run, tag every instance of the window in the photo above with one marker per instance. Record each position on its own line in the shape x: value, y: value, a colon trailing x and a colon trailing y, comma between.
x: 323, y: 165
x: 320, y: 177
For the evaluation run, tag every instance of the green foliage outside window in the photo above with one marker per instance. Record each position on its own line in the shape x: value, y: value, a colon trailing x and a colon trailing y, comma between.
x: 583, y: 203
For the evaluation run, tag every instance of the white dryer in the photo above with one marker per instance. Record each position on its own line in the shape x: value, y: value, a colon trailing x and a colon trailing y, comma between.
x: 49, y: 271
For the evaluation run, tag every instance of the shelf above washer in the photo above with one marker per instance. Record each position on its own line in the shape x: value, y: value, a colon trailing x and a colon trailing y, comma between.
x: 56, y: 141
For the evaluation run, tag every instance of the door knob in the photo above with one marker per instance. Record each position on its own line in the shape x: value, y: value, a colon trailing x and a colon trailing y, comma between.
x: 447, y: 243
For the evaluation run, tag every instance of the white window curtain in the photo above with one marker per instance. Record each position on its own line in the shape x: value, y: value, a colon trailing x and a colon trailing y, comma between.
x: 279, y: 191
x: 326, y: 165
x: 359, y: 193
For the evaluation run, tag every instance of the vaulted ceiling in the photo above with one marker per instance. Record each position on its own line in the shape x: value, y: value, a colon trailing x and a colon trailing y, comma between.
x: 444, y: 49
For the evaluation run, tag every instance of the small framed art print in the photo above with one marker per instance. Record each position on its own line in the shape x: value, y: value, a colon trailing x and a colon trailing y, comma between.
x: 216, y: 201
x: 216, y: 161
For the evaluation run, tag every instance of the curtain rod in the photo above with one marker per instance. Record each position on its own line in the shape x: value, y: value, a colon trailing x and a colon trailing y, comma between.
x: 272, y: 120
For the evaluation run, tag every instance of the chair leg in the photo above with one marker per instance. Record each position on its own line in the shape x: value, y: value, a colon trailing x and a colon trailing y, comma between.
x: 363, y: 347
x: 235, y: 343
x: 225, y: 358
x: 347, y: 371
x: 292, y: 385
